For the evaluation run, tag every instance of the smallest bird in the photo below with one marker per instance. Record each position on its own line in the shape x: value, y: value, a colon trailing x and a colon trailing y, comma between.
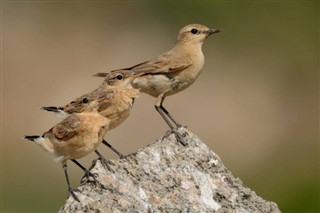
x: 73, y: 138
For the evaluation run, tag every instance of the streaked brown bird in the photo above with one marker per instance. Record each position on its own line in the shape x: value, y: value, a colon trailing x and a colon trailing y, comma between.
x: 73, y: 138
x: 172, y: 71
x: 113, y: 99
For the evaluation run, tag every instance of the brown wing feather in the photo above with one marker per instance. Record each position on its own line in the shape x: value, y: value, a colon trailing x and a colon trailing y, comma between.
x: 165, y: 63
x: 67, y: 129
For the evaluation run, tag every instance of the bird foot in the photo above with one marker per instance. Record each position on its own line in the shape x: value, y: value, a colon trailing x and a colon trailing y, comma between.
x: 106, y: 164
x: 87, y: 176
x: 181, y: 126
x: 181, y: 137
x: 71, y: 191
x: 122, y: 156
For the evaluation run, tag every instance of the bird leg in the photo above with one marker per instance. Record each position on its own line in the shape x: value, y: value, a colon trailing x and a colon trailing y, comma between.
x: 113, y: 149
x: 178, y: 135
x: 164, y: 113
x: 68, y: 182
x: 87, y: 173
x: 170, y: 116
x: 105, y: 162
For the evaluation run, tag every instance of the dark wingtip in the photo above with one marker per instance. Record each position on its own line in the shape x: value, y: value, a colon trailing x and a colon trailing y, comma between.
x: 31, y: 137
x: 100, y: 74
x: 51, y: 108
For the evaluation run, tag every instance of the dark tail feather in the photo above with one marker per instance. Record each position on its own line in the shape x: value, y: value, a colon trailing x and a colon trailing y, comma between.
x: 101, y: 74
x: 31, y: 137
x: 51, y: 108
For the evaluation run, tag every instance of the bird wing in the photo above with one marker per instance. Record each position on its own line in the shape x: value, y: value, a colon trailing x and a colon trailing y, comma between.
x: 166, y: 63
x: 102, y: 93
x: 105, y: 97
x: 67, y: 129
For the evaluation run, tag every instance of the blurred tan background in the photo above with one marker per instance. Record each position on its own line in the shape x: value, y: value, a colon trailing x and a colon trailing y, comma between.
x: 256, y: 103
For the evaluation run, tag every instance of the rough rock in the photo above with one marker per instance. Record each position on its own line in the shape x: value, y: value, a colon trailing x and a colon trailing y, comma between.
x: 166, y: 176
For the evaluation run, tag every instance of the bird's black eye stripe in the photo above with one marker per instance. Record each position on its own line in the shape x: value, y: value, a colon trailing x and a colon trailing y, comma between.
x: 85, y: 100
x: 119, y: 77
x: 194, y: 31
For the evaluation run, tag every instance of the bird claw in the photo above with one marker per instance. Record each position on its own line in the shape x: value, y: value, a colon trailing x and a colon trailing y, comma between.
x: 106, y: 163
x: 122, y: 156
x: 73, y: 195
x: 181, y: 126
x: 95, y: 182
x: 180, y: 137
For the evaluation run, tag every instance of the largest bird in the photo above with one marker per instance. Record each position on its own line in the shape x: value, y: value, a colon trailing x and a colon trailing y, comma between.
x: 174, y: 70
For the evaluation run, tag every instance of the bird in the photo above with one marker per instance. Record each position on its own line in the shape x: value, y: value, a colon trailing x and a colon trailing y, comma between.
x: 74, y: 137
x: 113, y: 99
x: 172, y: 71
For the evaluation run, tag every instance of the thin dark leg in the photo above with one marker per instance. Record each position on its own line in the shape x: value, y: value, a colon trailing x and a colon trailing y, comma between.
x: 179, y: 137
x: 104, y: 161
x: 170, y: 116
x: 68, y: 182
x: 87, y: 173
x: 161, y: 112
x: 113, y: 149
x: 78, y: 164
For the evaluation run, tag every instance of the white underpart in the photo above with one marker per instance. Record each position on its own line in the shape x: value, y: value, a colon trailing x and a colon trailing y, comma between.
x: 62, y: 114
x: 58, y: 159
x: 41, y: 141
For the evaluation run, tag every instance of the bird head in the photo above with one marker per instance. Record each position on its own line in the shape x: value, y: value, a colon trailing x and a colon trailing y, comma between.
x: 195, y: 33
x: 120, y: 78
x: 85, y: 103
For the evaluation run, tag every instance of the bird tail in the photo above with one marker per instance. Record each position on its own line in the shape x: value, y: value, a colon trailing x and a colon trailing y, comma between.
x: 32, y: 137
x: 101, y: 74
x: 51, y: 109
x: 58, y: 110
x: 42, y: 142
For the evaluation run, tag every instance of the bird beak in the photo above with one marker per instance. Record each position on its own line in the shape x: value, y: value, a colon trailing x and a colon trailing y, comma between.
x: 212, y: 31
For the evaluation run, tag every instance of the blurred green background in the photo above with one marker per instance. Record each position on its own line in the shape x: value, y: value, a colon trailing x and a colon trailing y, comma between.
x: 256, y: 103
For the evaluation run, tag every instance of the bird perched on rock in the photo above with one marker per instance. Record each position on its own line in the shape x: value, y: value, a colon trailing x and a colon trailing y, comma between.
x: 172, y: 71
x: 113, y: 99
x: 73, y: 138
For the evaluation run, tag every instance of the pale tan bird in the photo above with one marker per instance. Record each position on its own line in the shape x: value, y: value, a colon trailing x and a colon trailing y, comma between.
x: 73, y: 138
x: 173, y: 71
x: 113, y: 99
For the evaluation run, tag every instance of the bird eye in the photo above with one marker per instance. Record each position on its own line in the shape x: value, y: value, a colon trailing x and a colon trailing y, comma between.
x: 85, y: 100
x: 119, y: 77
x: 194, y: 31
